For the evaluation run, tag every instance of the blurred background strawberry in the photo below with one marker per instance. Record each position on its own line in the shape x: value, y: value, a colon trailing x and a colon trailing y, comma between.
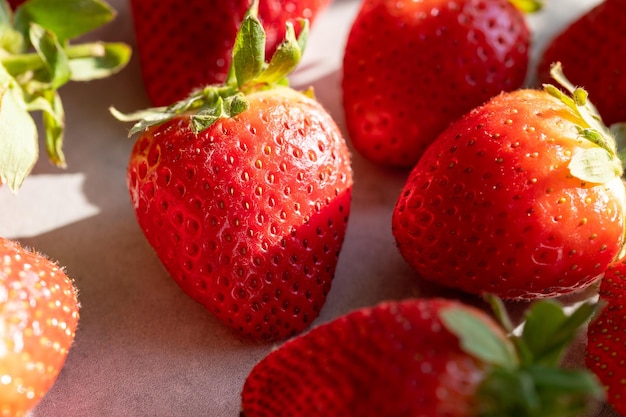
x: 185, y: 45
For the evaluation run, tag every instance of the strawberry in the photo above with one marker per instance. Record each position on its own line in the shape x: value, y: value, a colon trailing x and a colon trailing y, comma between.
x: 182, y: 47
x: 38, y: 318
x: 605, y: 337
x: 521, y: 197
x: 244, y: 191
x: 424, y: 357
x: 412, y: 67
x: 36, y: 59
x: 603, y: 31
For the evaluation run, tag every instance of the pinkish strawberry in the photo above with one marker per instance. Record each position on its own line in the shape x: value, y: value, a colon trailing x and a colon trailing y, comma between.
x: 186, y: 46
x: 412, y: 67
x: 39, y: 313
x: 243, y: 189
x: 590, y: 51
x: 424, y: 357
x: 522, y: 197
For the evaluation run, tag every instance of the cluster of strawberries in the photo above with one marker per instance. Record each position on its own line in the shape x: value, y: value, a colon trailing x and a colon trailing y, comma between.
x: 243, y: 185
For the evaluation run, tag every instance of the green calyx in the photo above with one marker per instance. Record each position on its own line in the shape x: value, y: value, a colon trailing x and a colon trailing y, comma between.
x: 37, y: 58
x: 249, y: 72
x: 525, y: 378
x: 598, y: 164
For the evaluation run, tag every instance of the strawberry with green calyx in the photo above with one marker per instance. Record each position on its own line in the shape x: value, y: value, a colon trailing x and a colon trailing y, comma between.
x: 183, y: 48
x: 522, y: 197
x: 39, y: 313
x: 602, y: 30
x: 412, y: 67
x: 37, y: 59
x: 605, y: 337
x: 243, y: 189
x: 430, y: 357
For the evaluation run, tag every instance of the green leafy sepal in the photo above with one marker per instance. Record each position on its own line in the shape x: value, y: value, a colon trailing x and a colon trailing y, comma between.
x: 37, y: 58
x: 525, y: 377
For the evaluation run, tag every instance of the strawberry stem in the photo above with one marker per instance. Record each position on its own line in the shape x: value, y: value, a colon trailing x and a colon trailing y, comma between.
x: 249, y: 72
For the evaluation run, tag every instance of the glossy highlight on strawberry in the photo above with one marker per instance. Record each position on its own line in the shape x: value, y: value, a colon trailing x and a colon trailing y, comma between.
x: 605, y: 337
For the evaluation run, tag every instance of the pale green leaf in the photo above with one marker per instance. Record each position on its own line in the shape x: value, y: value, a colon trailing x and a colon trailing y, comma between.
x: 52, y: 55
x: 478, y: 338
x: 67, y: 19
x: 5, y: 16
x: 594, y: 165
x: 54, y: 124
x: 106, y: 59
x: 18, y: 141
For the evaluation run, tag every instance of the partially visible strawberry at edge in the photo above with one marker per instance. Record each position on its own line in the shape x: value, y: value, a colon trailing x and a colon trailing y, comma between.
x: 425, y: 357
x: 606, y: 335
x: 182, y: 46
x: 39, y: 312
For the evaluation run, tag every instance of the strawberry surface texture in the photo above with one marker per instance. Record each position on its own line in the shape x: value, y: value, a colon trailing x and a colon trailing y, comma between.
x: 412, y: 67
x: 244, y: 191
x: 182, y: 47
x: 421, y: 357
x: 248, y: 216
x: 39, y: 313
x: 605, y: 337
x: 589, y: 50
x: 497, y: 205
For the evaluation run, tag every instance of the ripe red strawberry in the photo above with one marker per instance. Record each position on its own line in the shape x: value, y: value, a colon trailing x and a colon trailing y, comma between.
x: 423, y: 357
x: 38, y: 317
x: 606, y: 336
x: 603, y: 31
x: 185, y: 46
x: 412, y: 67
x: 522, y: 197
x: 244, y: 192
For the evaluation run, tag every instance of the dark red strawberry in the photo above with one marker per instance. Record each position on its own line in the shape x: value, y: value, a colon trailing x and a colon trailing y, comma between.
x: 423, y: 357
x: 185, y: 46
x: 15, y: 3
x: 244, y: 191
x: 606, y: 336
x: 412, y: 67
x: 522, y: 197
x: 38, y: 317
x: 590, y: 51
